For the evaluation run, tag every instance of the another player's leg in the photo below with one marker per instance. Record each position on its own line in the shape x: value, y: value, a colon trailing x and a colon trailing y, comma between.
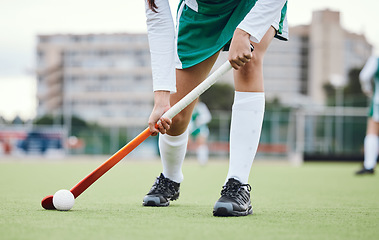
x: 247, y: 118
x: 173, y: 145
x: 371, y: 148
x: 202, y: 151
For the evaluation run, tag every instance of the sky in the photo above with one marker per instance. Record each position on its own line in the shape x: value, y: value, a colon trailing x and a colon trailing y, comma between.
x: 22, y: 20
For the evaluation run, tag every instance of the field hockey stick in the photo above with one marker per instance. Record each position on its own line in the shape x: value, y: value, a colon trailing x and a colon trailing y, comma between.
x: 79, y: 188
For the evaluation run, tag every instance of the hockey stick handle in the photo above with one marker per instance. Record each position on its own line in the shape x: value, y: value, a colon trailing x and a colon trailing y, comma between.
x: 196, y: 92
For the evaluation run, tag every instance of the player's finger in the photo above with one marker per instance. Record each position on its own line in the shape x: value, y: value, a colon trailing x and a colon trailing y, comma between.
x: 236, y: 64
x: 166, y: 123
x: 248, y: 56
x: 161, y: 128
x: 153, y: 130
x: 244, y: 60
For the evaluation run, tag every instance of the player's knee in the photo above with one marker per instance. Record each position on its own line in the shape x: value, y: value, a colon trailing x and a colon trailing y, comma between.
x: 255, y: 64
x: 257, y: 59
x: 179, y: 120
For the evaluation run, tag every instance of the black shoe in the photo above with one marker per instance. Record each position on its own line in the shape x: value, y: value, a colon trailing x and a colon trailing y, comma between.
x: 364, y: 171
x: 234, y: 200
x: 162, y: 191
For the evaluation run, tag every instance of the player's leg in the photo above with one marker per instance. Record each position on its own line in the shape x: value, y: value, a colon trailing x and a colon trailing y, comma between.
x: 202, y: 151
x: 173, y: 145
x: 371, y: 141
x: 247, y: 118
x: 371, y: 147
x: 247, y: 114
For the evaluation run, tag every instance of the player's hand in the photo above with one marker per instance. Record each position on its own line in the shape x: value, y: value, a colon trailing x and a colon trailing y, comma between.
x: 367, y: 89
x: 368, y: 93
x: 161, y: 104
x: 240, y: 50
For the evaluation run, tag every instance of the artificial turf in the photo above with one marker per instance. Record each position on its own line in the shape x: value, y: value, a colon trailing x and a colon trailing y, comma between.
x: 314, y: 201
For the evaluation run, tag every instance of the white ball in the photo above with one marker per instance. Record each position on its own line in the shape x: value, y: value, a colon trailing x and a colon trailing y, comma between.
x: 63, y: 200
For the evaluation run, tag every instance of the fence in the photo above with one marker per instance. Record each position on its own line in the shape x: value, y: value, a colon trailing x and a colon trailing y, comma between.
x: 305, y: 133
x: 294, y: 134
x: 327, y: 133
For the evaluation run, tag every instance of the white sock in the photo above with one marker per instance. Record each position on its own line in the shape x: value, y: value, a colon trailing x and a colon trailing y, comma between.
x: 371, y: 148
x: 245, y: 131
x: 202, y: 153
x: 173, y: 150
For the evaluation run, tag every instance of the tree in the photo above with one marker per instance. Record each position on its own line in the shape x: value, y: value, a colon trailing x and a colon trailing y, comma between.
x: 78, y: 125
x: 219, y: 97
x: 49, y: 120
x: 17, y: 120
x: 3, y: 120
x: 353, y: 95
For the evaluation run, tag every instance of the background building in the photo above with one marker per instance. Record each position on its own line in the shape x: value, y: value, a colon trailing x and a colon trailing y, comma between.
x: 106, y: 78
x: 297, y: 71
x: 101, y: 78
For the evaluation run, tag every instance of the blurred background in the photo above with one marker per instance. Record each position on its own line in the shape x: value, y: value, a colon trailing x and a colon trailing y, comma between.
x: 75, y: 79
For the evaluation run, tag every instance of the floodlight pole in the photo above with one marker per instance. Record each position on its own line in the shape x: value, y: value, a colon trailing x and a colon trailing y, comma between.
x: 67, y: 101
x: 339, y: 82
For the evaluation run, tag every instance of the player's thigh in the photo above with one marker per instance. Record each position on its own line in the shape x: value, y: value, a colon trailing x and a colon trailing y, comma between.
x: 372, y: 126
x: 186, y: 80
x: 373, y: 119
x: 261, y: 47
x: 250, y: 77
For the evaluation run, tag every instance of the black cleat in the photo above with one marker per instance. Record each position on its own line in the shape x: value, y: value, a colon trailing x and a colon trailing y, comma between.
x: 234, y: 200
x: 365, y: 171
x: 162, y: 191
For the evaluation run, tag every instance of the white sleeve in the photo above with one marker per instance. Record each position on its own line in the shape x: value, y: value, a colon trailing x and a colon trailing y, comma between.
x: 161, y: 35
x: 260, y: 18
x: 368, y: 70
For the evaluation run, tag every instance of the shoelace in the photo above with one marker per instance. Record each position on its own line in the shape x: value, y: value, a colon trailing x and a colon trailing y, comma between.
x: 236, y: 191
x: 163, y: 185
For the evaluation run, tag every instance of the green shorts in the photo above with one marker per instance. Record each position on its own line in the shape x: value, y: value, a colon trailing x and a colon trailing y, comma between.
x: 202, y: 33
x: 200, y: 131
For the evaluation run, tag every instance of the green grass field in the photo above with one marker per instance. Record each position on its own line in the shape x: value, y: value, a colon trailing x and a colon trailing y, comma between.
x: 314, y: 201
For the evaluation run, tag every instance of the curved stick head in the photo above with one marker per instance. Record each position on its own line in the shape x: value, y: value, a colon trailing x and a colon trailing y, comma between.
x: 47, y: 203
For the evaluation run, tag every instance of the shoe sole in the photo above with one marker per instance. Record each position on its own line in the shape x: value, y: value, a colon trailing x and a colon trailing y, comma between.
x: 226, y: 210
x: 364, y: 173
x: 151, y: 201
x: 154, y: 201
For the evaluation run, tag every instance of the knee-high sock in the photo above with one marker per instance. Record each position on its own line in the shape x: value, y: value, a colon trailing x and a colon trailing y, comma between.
x: 371, y: 148
x: 173, y: 150
x: 245, y: 131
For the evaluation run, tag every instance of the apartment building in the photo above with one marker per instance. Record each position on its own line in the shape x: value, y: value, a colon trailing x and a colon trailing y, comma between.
x: 106, y: 78
x: 101, y: 78
x: 297, y: 71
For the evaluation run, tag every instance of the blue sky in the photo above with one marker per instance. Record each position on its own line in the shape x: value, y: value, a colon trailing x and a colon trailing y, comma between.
x: 22, y: 20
